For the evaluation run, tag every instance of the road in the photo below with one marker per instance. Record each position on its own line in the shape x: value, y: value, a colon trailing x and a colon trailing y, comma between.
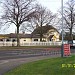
x: 7, y: 65
x: 12, y: 58
x: 11, y: 54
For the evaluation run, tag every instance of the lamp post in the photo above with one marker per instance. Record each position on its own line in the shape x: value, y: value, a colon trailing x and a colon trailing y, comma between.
x: 62, y: 49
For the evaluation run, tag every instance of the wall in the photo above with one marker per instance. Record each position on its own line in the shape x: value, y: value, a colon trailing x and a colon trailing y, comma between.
x: 23, y: 40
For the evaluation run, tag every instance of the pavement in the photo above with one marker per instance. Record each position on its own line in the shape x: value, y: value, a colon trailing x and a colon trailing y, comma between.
x: 11, y: 54
x: 7, y: 65
x: 11, y: 59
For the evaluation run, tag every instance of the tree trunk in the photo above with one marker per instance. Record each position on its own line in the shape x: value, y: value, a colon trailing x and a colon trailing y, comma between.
x: 18, y: 42
x: 41, y: 32
x: 71, y: 37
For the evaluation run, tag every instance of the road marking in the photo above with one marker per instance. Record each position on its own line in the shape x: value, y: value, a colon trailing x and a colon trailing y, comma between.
x: 3, y: 62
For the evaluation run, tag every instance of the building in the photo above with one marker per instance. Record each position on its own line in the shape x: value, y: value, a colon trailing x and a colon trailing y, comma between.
x: 49, y: 34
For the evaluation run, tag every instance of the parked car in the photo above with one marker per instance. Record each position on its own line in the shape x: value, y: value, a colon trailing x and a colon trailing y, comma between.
x: 72, y: 43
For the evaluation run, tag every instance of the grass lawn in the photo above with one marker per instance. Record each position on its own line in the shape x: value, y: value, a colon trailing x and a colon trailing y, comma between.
x: 52, y: 66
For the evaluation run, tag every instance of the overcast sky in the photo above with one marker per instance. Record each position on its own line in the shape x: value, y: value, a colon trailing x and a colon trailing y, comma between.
x: 53, y: 5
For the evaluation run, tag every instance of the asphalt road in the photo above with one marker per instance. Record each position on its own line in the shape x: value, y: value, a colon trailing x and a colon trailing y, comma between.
x: 11, y: 54
x: 12, y: 58
x: 7, y: 65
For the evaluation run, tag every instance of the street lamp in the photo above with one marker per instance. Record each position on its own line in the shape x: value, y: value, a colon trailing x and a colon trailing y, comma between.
x: 62, y: 49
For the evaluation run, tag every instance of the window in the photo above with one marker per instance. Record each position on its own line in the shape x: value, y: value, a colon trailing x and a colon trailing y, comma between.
x: 1, y: 39
x: 13, y: 40
x: 7, y: 40
x: 24, y: 40
x: 35, y: 39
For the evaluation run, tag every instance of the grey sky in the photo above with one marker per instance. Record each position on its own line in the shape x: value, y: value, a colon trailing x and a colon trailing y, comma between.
x: 53, y: 5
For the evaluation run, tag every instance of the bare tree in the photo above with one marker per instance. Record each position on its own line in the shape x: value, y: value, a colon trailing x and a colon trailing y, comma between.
x: 69, y: 16
x: 28, y: 27
x: 43, y: 17
x: 0, y: 15
x: 17, y: 12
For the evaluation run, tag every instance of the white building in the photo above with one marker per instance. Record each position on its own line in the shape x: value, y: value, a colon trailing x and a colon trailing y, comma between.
x: 49, y: 34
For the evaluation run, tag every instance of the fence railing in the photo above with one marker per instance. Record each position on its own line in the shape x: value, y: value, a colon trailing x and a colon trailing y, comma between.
x: 41, y: 44
x: 31, y: 44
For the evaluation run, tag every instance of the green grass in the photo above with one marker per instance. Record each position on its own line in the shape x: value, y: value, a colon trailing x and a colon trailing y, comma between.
x: 52, y: 66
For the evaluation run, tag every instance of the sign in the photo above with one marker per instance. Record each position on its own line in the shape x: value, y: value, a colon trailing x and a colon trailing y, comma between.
x: 66, y: 49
